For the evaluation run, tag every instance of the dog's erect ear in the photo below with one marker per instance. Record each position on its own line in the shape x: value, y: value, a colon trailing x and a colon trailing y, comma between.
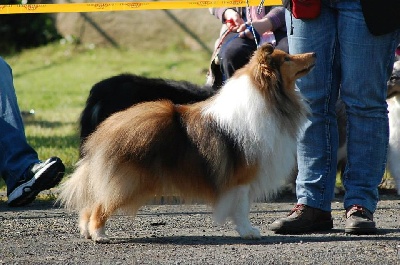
x: 267, y: 48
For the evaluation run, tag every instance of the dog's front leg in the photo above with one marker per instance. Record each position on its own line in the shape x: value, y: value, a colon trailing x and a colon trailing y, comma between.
x: 240, y: 214
x: 236, y: 204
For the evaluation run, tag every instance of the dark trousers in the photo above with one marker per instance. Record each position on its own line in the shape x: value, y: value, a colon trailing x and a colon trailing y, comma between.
x: 235, y: 51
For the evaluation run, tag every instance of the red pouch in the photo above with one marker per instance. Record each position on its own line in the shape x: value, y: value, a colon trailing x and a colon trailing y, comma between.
x: 305, y: 9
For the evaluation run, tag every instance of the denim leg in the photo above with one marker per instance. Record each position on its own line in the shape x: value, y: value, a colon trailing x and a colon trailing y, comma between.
x: 15, y: 153
x: 317, y: 146
x: 358, y: 64
x: 366, y: 64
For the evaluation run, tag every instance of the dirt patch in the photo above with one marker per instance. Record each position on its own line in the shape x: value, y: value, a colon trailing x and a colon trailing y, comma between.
x: 157, y: 29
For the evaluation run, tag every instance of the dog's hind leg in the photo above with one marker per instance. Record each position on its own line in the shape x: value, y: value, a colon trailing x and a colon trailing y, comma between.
x: 236, y: 204
x: 84, y: 217
x: 97, y: 223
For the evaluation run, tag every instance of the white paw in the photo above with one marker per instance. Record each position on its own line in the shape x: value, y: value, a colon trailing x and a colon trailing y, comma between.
x: 101, y: 239
x: 248, y: 232
x: 83, y: 227
x: 99, y: 236
x: 85, y: 234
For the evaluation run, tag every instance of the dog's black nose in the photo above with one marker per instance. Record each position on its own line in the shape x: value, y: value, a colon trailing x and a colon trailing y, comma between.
x: 314, y: 54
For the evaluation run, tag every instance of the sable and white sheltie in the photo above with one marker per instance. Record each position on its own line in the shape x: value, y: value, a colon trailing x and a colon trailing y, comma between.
x: 237, y: 146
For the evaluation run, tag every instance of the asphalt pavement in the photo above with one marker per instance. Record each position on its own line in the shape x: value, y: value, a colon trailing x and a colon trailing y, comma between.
x: 44, y: 233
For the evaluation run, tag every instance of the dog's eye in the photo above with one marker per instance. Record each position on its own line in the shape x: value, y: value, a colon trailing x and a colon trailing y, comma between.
x: 284, y: 59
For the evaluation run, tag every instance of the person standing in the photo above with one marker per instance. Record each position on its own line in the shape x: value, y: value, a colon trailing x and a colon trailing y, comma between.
x: 354, y: 61
x: 24, y: 174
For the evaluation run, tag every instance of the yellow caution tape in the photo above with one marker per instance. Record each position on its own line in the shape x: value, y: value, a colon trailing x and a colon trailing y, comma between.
x: 126, y: 6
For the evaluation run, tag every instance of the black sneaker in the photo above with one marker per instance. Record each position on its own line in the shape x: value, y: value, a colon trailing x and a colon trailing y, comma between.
x: 38, y: 177
x: 359, y: 221
x: 303, y: 219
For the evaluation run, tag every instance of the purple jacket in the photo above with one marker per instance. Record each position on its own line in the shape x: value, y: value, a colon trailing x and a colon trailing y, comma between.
x: 276, y: 14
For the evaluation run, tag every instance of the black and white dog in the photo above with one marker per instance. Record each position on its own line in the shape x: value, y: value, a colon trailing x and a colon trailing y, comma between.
x: 122, y: 91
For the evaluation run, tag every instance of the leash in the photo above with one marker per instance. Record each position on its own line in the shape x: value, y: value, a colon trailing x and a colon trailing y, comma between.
x: 251, y: 28
x: 260, y: 6
x: 214, y: 57
x: 227, y: 31
x: 221, y: 39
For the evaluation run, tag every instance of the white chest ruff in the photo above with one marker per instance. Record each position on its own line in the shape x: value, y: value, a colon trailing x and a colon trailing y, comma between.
x: 241, y: 111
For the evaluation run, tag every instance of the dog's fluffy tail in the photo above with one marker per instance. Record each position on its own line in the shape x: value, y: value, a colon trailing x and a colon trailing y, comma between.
x: 75, y: 192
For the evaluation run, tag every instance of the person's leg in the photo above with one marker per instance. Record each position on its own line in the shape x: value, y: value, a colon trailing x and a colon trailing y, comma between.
x: 317, y: 146
x: 366, y: 61
x: 235, y: 53
x: 15, y: 153
x: 25, y: 175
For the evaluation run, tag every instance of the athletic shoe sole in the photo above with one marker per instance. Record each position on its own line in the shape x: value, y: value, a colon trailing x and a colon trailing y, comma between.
x: 46, y: 178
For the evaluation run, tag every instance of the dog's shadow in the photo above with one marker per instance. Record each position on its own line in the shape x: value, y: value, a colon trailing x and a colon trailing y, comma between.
x: 335, y: 235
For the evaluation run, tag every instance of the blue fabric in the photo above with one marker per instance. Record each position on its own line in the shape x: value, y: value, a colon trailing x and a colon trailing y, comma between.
x: 15, y: 153
x: 355, y: 64
x: 250, y: 28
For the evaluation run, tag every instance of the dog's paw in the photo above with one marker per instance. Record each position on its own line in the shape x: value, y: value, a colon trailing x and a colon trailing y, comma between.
x: 84, y: 229
x: 101, y: 239
x: 85, y: 234
x: 99, y: 236
x: 248, y: 232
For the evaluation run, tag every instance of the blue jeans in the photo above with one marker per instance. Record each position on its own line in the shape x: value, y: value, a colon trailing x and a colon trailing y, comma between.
x: 16, y: 155
x: 355, y: 65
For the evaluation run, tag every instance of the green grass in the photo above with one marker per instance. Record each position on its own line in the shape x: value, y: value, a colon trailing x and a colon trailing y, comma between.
x: 55, y: 81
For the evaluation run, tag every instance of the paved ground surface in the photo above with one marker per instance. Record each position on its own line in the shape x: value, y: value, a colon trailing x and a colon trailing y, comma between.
x: 185, y: 234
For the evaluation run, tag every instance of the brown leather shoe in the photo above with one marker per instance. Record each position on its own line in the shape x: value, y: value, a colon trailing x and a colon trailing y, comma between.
x: 359, y: 221
x: 302, y: 219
